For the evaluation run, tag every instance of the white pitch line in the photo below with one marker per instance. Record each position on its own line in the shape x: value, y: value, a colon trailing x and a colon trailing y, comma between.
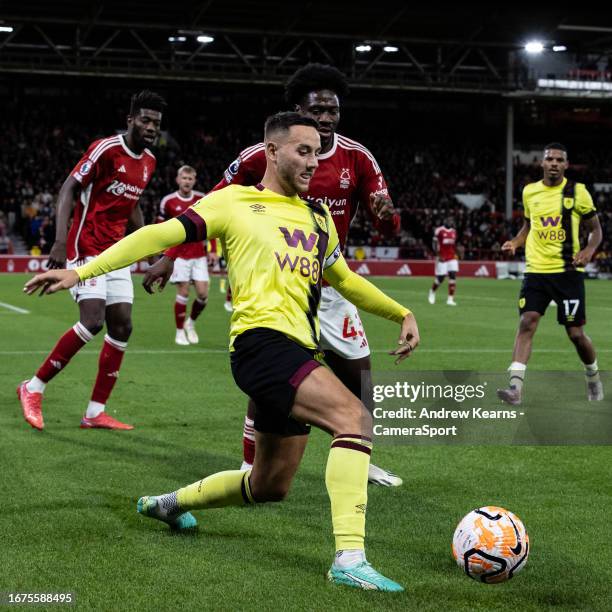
x: 414, y: 292
x: 475, y: 298
x: 225, y: 352
x: 14, y: 308
x: 131, y: 352
x: 485, y: 350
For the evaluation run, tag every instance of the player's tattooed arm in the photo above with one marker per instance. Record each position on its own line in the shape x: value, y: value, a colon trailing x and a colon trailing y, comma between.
x: 595, y: 236
x: 382, y: 206
x: 65, y: 203
x: 510, y: 246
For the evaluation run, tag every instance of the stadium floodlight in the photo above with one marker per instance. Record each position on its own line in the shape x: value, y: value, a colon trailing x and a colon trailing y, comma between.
x: 559, y: 48
x: 363, y: 48
x: 6, y: 28
x: 174, y: 39
x: 204, y: 38
x: 390, y: 49
x: 534, y: 46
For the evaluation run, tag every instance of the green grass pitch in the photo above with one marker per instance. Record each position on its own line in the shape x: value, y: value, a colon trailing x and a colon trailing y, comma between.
x: 68, y: 496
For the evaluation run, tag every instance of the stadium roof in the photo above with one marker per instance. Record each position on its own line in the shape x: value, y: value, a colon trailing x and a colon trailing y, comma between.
x: 430, y: 47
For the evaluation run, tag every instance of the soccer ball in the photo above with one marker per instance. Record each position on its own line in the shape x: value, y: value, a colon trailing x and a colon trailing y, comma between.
x: 490, y: 544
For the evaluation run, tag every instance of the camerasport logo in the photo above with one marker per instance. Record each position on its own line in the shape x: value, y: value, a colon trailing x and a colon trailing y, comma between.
x: 119, y: 188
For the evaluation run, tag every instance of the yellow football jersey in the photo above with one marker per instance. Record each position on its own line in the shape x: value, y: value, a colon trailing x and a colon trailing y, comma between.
x: 276, y: 248
x: 553, y: 237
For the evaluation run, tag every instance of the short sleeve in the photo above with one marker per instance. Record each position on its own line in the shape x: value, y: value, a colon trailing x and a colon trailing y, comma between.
x: 584, y: 202
x: 247, y: 169
x: 87, y: 168
x: 208, y: 217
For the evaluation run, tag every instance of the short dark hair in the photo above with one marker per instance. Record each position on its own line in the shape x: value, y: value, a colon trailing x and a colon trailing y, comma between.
x: 147, y: 99
x: 281, y: 122
x: 555, y: 145
x: 314, y: 77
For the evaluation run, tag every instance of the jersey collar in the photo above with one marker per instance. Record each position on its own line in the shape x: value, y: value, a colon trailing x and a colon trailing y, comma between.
x: 127, y: 149
x: 331, y: 151
x: 183, y: 198
x: 561, y: 185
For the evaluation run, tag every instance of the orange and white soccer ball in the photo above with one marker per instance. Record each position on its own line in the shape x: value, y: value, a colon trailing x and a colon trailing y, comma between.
x: 490, y: 544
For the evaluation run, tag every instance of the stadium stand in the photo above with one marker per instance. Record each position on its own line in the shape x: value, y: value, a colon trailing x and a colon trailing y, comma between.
x: 43, y: 140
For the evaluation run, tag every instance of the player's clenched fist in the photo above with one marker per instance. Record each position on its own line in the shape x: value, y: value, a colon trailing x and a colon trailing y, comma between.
x: 52, y: 281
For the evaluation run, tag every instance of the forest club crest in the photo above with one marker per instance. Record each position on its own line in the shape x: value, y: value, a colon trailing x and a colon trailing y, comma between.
x: 345, y: 178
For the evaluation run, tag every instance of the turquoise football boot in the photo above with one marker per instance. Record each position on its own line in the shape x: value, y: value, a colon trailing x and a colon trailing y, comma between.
x: 150, y: 506
x: 362, y: 576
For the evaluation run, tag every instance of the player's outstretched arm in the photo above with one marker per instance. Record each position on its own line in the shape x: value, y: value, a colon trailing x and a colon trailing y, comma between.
x: 146, y: 241
x: 365, y: 295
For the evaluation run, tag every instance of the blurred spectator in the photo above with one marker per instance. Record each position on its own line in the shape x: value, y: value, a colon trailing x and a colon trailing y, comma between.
x: 6, y: 247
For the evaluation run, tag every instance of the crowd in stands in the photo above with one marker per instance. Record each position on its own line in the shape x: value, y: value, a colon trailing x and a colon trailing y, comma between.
x: 6, y: 246
x: 39, y: 148
x: 423, y: 183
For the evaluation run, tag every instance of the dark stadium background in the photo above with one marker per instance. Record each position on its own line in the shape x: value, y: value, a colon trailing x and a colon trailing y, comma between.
x: 434, y: 113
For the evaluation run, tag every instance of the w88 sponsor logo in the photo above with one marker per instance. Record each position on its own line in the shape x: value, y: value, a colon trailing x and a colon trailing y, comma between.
x: 307, y: 266
x: 555, y: 234
x: 302, y: 265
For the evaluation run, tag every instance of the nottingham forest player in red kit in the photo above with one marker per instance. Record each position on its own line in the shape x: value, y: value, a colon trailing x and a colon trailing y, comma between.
x: 103, y: 189
x: 444, y: 246
x: 190, y: 263
x: 347, y: 176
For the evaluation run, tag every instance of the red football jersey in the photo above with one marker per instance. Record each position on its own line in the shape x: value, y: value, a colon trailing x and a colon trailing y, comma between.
x: 446, y: 237
x: 112, y: 180
x: 173, y: 205
x: 346, y: 176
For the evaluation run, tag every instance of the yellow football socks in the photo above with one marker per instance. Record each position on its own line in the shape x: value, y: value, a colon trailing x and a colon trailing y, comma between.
x: 229, y: 488
x: 346, y: 478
